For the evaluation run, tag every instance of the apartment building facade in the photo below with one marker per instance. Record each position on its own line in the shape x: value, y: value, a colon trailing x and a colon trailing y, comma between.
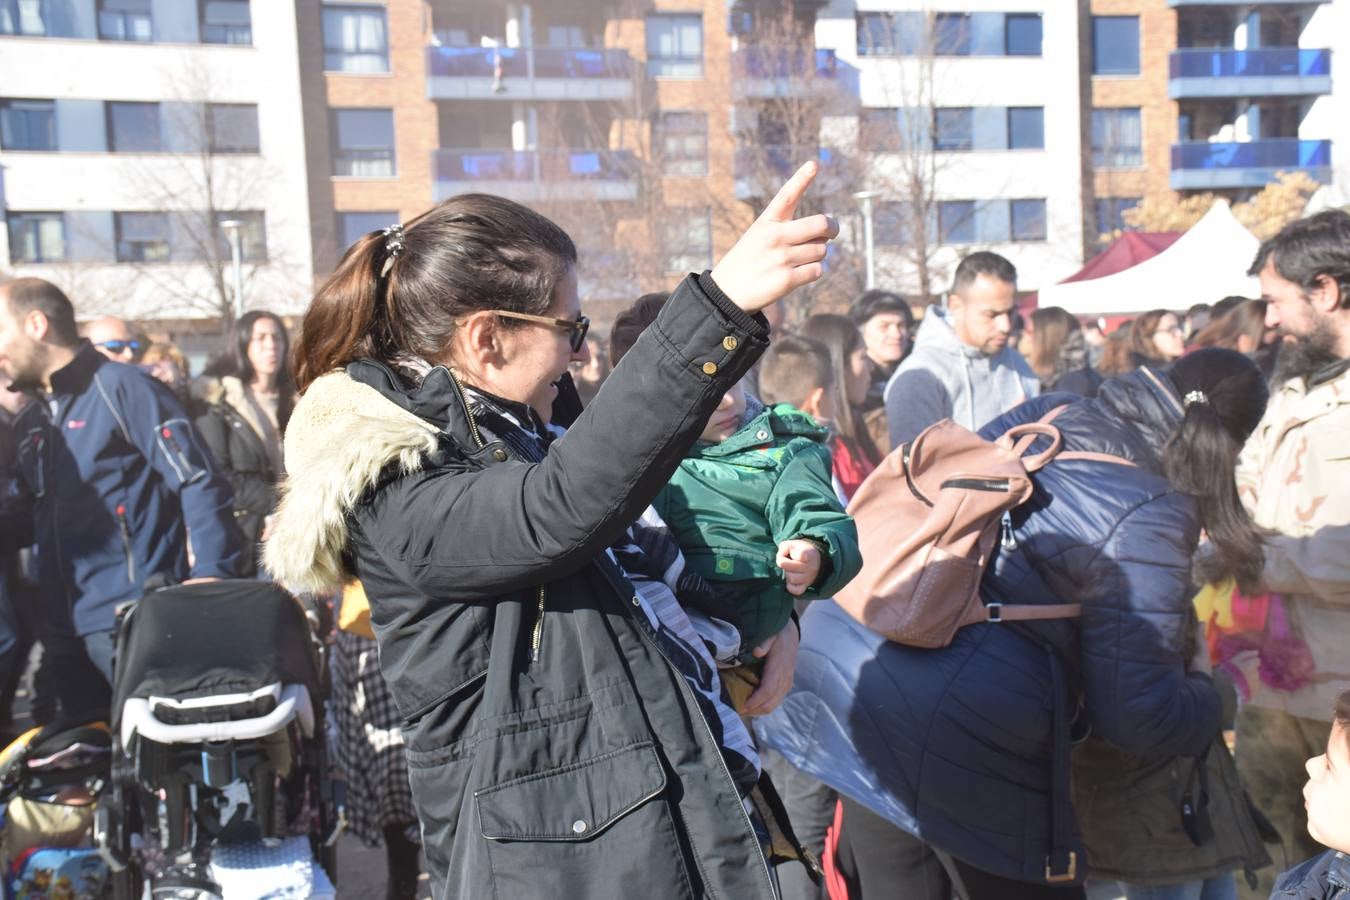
x: 1194, y: 96
x: 130, y: 130
x: 979, y: 102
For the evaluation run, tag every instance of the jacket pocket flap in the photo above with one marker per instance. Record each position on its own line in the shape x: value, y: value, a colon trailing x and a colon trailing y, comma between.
x: 573, y: 803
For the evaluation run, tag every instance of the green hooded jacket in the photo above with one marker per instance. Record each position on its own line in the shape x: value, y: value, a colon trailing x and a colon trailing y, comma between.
x: 730, y: 505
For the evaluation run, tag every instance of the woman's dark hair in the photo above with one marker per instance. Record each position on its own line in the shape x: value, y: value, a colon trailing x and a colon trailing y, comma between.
x: 842, y: 338
x: 1141, y: 334
x: 1247, y: 320
x: 875, y: 302
x: 629, y: 324
x: 241, y: 367
x: 1224, y: 395
x: 1342, y: 712
x: 1051, y: 328
x: 470, y: 253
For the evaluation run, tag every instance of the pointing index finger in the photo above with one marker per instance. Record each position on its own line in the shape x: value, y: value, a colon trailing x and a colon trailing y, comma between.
x: 784, y: 204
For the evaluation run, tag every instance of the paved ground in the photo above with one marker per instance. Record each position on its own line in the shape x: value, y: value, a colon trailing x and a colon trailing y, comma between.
x: 361, y: 872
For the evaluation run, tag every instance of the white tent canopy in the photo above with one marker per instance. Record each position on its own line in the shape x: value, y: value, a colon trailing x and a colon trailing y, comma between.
x: 1206, y: 264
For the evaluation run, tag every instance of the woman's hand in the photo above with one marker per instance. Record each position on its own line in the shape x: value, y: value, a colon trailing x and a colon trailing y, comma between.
x: 777, y: 254
x: 780, y: 659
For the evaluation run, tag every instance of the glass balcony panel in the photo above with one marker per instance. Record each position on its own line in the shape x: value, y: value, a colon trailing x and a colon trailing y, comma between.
x: 1268, y: 62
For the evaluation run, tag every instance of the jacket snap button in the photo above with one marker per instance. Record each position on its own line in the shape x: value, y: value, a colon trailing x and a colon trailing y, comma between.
x: 729, y: 342
x: 578, y: 827
x: 499, y: 455
x: 761, y: 435
x: 710, y: 368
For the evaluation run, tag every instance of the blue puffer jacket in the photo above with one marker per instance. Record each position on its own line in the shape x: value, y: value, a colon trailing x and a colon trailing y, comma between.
x: 1325, y: 877
x: 117, y: 477
x: 958, y: 745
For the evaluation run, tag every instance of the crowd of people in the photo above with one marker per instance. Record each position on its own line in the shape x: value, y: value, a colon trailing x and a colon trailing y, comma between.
x: 585, y: 641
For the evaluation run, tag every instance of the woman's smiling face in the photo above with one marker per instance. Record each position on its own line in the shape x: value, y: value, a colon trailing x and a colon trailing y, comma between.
x: 537, y: 354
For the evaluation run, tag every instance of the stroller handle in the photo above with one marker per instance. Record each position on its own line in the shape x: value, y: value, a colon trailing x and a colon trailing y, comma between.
x: 294, y: 703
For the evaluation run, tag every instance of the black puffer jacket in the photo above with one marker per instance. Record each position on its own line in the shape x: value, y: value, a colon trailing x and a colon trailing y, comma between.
x: 587, y: 771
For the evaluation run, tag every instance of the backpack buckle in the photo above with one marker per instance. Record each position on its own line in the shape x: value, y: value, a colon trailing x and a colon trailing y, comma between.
x: 1070, y: 872
x: 994, y: 611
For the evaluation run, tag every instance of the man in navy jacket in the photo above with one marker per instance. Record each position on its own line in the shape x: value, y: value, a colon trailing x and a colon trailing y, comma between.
x: 113, y: 479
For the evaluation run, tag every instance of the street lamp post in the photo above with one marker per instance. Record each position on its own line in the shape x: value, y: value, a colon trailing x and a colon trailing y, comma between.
x: 869, y: 246
x: 232, y: 229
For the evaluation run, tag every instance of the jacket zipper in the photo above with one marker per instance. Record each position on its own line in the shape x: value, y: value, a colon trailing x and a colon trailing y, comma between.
x: 126, y: 542
x: 538, y: 639
x: 1007, y: 539
x: 991, y: 485
x: 537, y: 634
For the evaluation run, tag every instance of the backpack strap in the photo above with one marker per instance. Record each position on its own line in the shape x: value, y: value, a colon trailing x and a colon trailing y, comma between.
x: 1027, y: 612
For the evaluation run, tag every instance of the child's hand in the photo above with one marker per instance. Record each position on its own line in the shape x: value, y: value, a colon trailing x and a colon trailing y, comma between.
x: 800, y: 562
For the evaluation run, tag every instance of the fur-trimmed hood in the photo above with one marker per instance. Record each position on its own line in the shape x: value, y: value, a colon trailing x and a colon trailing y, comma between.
x: 227, y: 390
x: 341, y: 436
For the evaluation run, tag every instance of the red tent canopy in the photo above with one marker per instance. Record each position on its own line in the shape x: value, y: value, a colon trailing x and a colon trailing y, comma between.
x: 1131, y: 248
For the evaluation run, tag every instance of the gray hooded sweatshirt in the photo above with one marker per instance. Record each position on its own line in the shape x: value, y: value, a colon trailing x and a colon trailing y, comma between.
x: 946, y: 379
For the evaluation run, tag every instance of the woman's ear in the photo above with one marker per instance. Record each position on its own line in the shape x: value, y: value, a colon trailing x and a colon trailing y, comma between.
x: 477, y: 341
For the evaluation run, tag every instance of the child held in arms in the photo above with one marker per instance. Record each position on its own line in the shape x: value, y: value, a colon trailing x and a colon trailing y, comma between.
x: 752, y: 505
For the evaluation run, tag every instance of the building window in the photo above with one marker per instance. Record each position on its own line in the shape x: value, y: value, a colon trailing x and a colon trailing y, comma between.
x: 876, y: 34
x: 688, y: 240
x: 37, y: 237
x: 1115, y: 45
x: 954, y: 128
x: 355, y: 39
x: 956, y: 222
x: 134, y: 128
x: 1117, y: 138
x: 951, y: 34
x: 675, y: 46
x: 893, y: 223
x: 1028, y: 220
x: 364, y: 142
x: 1111, y: 212
x: 226, y: 22
x: 352, y: 226
x: 683, y: 143
x: 27, y: 125
x: 124, y: 20
x: 252, y: 234
x: 1026, y: 128
x: 142, y: 236
x: 233, y: 127
x: 25, y: 17
x: 1022, y: 34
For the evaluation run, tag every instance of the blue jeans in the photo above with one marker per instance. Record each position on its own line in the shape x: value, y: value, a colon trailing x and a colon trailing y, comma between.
x: 1220, y: 887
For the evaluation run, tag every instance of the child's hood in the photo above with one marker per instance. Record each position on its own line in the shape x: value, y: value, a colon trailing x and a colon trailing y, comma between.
x: 763, y: 427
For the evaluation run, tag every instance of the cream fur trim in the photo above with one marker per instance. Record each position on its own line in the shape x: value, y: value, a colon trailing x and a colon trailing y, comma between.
x: 341, y: 435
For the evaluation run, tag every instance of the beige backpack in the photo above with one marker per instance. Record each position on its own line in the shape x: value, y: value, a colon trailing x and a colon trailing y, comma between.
x: 928, y: 519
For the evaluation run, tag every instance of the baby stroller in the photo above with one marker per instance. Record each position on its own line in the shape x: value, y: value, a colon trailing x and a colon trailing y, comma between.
x: 50, y: 779
x: 219, y: 775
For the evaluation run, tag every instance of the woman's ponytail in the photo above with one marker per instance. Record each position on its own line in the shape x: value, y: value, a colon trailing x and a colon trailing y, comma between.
x: 344, y: 320
x: 1224, y: 397
x: 399, y: 293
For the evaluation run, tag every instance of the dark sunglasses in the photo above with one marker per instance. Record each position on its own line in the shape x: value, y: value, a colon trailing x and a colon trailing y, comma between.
x: 120, y: 346
x: 578, y: 327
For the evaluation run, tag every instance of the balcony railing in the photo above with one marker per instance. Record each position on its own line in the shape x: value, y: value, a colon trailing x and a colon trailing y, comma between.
x: 522, y: 62
x: 777, y: 62
x: 538, y: 175
x: 1199, y: 165
x: 1269, y: 62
